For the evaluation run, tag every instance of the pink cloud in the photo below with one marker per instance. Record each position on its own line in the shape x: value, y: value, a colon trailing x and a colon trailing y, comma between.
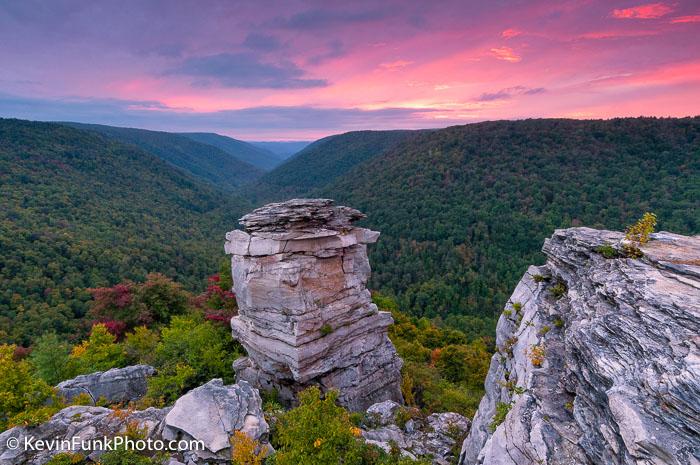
x: 510, y: 33
x: 687, y: 19
x: 505, y: 54
x: 396, y: 64
x: 648, y: 11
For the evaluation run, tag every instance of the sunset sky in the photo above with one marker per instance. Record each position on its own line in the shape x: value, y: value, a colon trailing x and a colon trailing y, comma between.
x: 298, y: 70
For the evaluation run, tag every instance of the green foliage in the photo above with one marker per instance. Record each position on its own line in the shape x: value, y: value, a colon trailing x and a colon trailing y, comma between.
x: 441, y: 372
x: 24, y: 398
x: 204, y: 161
x: 326, y: 329
x: 502, y: 409
x: 464, y: 363
x: 639, y: 232
x: 140, y: 345
x: 463, y: 211
x: 540, y: 278
x: 607, y: 251
x: 544, y: 330
x: 319, y: 432
x: 80, y: 211
x: 191, y: 352
x: 99, y: 352
x: 323, y: 161
x: 50, y: 358
x: 559, y: 290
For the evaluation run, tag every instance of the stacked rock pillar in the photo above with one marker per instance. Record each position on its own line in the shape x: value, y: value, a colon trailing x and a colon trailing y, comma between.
x: 300, y: 271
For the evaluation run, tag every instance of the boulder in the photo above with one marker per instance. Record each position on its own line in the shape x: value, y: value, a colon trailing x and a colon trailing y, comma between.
x: 113, y: 386
x: 212, y: 413
x: 305, y: 315
x: 84, y: 423
x: 435, y: 437
x: 598, y: 358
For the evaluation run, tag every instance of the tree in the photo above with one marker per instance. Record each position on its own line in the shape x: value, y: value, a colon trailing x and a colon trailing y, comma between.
x: 99, y: 353
x: 50, y: 358
x: 23, y: 396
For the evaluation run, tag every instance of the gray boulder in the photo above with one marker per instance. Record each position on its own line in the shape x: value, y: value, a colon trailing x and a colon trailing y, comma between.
x: 383, y: 413
x: 82, y: 422
x: 212, y: 413
x: 434, y: 437
x: 112, y: 386
x: 598, y: 358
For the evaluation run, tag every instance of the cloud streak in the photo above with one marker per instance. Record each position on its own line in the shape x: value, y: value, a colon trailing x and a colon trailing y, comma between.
x: 244, y: 70
x: 647, y: 11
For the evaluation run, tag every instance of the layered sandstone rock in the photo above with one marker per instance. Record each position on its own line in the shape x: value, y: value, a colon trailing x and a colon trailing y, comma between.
x: 113, y: 386
x: 598, y: 358
x: 305, y: 315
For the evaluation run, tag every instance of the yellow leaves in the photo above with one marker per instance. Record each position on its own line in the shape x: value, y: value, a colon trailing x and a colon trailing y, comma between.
x: 537, y: 354
x: 79, y: 350
x: 318, y: 442
x: 639, y: 232
x: 357, y: 432
x: 245, y: 450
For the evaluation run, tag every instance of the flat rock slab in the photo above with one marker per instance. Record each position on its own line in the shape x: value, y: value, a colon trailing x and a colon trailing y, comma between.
x: 113, y: 386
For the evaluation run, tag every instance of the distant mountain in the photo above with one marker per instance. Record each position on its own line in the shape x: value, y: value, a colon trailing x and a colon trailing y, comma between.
x: 464, y: 210
x: 322, y: 162
x: 204, y: 161
x: 250, y: 153
x: 283, y: 149
x: 81, y: 210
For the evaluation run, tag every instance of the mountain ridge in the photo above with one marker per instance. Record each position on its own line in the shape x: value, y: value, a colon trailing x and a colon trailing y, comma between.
x: 203, y: 161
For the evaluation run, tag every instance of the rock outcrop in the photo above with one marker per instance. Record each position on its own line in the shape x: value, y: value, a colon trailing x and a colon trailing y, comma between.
x: 211, y: 413
x: 305, y: 314
x: 435, y: 437
x: 112, y: 387
x: 83, y: 424
x: 598, y: 358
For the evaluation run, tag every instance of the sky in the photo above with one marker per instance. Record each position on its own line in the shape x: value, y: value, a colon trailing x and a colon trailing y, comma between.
x: 301, y: 70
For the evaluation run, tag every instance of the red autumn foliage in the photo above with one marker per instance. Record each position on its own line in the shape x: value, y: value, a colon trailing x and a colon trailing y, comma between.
x: 21, y: 353
x: 115, y: 327
x: 218, y: 304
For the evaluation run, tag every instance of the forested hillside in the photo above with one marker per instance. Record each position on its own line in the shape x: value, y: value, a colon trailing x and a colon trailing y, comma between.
x: 322, y: 162
x: 249, y: 153
x: 203, y: 161
x: 464, y: 210
x: 80, y: 210
x: 282, y: 148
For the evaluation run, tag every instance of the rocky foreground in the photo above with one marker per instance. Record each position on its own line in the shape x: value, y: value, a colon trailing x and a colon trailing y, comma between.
x: 598, y: 358
x: 597, y: 362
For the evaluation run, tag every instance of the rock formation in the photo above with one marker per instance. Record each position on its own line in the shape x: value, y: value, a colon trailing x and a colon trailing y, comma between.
x: 112, y: 386
x: 598, y: 358
x: 209, y: 413
x: 435, y: 436
x: 305, y: 315
x: 83, y: 422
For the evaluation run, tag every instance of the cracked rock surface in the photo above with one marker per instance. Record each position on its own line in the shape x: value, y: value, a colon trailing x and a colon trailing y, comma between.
x: 305, y: 315
x: 598, y: 359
